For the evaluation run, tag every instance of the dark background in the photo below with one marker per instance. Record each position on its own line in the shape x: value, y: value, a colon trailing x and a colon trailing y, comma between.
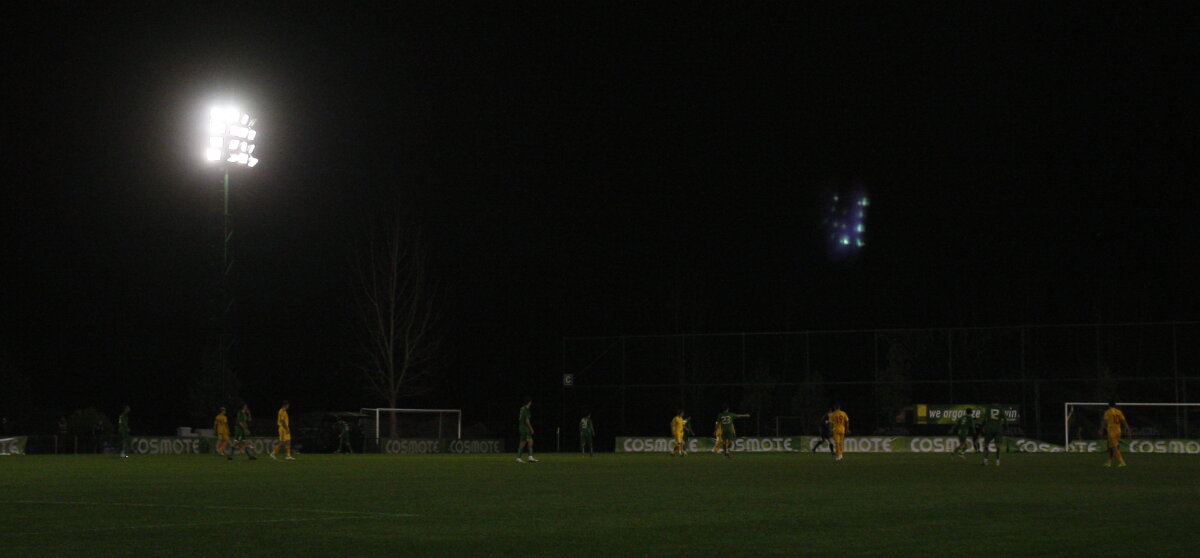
x: 576, y: 170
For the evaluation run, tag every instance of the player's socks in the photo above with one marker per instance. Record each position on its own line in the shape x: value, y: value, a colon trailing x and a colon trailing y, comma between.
x: 1121, y: 464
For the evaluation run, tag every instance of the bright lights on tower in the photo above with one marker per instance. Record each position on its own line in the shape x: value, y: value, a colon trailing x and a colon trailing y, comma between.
x: 231, y: 136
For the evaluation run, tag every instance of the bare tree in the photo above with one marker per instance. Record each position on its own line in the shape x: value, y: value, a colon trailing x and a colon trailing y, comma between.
x: 395, y: 302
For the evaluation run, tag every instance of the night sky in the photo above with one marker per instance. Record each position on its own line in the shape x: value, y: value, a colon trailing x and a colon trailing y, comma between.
x: 605, y: 170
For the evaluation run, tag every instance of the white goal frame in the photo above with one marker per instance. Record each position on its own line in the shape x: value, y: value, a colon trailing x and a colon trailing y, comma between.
x: 377, y: 410
x: 1068, y: 405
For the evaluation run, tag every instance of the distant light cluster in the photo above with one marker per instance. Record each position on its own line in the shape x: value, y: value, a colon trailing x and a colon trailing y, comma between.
x: 231, y: 136
x: 846, y: 221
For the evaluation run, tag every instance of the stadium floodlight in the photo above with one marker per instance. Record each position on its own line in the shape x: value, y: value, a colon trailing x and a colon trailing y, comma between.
x: 231, y: 134
x: 230, y: 141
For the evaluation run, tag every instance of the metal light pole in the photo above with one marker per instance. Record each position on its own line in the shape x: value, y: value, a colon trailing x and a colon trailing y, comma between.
x: 231, y: 137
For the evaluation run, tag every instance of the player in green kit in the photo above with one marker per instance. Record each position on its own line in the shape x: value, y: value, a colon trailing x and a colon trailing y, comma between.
x: 993, y: 430
x: 728, y: 433
x: 241, y: 433
x: 587, y: 435
x: 525, y: 430
x: 123, y: 430
x: 964, y: 427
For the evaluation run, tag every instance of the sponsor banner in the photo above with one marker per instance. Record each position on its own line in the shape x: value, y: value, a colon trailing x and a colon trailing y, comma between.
x: 475, y: 446
x: 654, y: 444
x: 948, y: 414
x: 177, y: 445
x: 1189, y: 447
x: 410, y: 446
x: 900, y: 444
x: 12, y: 446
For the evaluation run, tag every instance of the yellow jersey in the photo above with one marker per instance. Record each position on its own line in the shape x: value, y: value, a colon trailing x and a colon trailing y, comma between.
x: 281, y: 420
x: 840, y: 421
x: 1113, y: 418
x: 677, y: 425
x: 221, y: 425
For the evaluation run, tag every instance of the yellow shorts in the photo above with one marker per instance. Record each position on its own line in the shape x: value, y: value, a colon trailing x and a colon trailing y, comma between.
x: 1114, y: 439
x: 838, y: 437
x: 285, y: 435
x: 222, y: 436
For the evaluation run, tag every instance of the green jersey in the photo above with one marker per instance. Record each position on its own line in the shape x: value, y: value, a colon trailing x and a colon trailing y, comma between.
x: 242, y: 426
x: 993, y: 420
x: 344, y: 427
x: 964, y: 426
x: 523, y: 419
x: 586, y: 428
x: 123, y: 423
x: 726, y: 420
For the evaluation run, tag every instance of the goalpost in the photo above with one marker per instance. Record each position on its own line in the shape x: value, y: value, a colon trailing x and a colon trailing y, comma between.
x: 424, y: 430
x: 1159, y: 420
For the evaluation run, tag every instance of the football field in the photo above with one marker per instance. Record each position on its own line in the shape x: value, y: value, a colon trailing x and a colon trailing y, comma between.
x: 611, y: 505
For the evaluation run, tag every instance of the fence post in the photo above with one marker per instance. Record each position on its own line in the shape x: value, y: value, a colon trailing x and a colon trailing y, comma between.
x: 950, y: 360
x: 623, y: 431
x: 1037, y: 410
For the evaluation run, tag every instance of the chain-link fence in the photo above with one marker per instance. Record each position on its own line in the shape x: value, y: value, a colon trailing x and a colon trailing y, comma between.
x: 787, y: 380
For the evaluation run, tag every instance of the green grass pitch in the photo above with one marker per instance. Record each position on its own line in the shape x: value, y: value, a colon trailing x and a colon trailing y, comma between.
x: 610, y: 505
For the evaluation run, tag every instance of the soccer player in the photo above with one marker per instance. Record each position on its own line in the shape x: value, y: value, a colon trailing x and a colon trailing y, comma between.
x: 221, y: 427
x: 677, y: 427
x: 587, y: 435
x: 718, y: 441
x: 964, y: 427
x: 841, y: 426
x: 728, y: 433
x: 285, y: 432
x: 688, y: 433
x: 826, y: 433
x: 977, y: 432
x: 1114, y: 425
x: 241, y: 432
x: 993, y: 430
x: 123, y: 430
x: 525, y: 430
x: 343, y: 436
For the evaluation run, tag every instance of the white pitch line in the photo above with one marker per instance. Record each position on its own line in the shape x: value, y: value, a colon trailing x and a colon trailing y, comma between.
x: 184, y: 525
x: 187, y: 506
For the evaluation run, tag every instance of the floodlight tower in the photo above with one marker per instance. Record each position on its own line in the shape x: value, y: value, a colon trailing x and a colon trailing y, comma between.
x: 231, y: 142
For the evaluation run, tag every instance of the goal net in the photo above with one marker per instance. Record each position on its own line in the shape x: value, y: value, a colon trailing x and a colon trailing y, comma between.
x: 1148, y: 421
x: 432, y: 424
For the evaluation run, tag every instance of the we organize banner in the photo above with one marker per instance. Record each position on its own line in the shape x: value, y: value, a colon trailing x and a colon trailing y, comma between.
x: 948, y: 414
x: 896, y: 444
x: 12, y: 446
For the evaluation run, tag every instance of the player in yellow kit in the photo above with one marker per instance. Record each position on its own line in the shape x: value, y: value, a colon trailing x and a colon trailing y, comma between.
x: 1114, y: 425
x: 841, y: 426
x: 221, y: 427
x: 678, y: 425
x: 718, y: 440
x: 285, y: 432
